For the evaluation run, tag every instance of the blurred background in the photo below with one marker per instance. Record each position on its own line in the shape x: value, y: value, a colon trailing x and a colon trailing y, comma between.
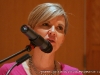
x: 81, y: 48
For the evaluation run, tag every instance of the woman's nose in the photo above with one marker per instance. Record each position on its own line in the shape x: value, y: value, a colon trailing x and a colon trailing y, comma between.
x: 52, y: 31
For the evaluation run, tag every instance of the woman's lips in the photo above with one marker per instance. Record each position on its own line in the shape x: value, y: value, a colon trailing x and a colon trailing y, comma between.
x: 51, y: 40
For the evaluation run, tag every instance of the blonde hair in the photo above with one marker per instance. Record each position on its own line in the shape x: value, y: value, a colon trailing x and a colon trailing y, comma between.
x: 45, y: 12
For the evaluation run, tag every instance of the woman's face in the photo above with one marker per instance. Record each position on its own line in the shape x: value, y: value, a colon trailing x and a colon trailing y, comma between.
x: 53, y: 31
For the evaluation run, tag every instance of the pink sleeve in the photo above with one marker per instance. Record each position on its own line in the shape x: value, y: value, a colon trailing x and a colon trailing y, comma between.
x: 18, y: 70
x: 68, y: 70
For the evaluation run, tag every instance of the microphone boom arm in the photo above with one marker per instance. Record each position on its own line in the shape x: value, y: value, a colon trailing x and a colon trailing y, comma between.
x: 28, y: 48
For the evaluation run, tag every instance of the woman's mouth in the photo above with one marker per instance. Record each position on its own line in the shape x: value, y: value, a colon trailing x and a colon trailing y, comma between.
x: 51, y: 41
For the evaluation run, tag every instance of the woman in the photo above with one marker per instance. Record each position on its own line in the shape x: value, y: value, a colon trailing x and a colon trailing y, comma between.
x: 50, y: 21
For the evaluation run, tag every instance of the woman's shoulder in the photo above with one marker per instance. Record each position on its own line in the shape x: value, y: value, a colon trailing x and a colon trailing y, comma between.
x: 15, y: 71
x: 6, y: 67
x: 66, y: 69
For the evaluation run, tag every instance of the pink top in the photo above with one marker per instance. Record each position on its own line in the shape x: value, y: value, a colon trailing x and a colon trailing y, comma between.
x: 19, y: 70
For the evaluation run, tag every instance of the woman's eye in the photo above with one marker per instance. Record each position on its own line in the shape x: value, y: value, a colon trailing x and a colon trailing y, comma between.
x: 45, y: 24
x: 60, y: 27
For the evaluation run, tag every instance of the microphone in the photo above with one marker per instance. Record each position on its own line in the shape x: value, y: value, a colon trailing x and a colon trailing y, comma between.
x: 36, y: 39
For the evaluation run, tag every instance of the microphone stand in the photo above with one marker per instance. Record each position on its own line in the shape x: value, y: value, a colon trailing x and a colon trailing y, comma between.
x: 28, y: 48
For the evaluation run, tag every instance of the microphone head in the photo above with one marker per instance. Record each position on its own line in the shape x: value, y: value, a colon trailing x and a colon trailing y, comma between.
x: 24, y: 28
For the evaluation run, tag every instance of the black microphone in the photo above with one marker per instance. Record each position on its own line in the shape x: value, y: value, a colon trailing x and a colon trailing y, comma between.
x: 36, y: 39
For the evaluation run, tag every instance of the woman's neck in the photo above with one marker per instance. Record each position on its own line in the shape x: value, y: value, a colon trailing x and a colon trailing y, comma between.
x: 43, y: 61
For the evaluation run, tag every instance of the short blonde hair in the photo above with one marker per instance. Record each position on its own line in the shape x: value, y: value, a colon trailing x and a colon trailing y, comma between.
x: 45, y: 12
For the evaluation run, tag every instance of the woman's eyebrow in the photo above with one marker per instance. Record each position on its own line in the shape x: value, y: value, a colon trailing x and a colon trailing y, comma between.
x: 58, y: 24
x: 48, y: 22
x: 62, y: 25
